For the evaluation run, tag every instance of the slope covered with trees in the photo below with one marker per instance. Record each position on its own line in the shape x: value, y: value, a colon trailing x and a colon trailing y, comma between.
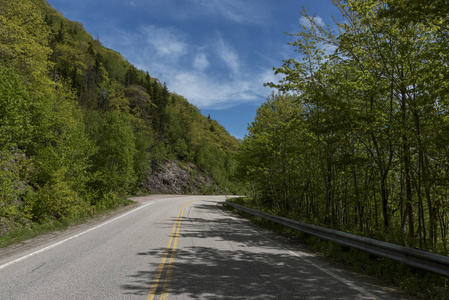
x: 357, y: 138
x: 80, y: 126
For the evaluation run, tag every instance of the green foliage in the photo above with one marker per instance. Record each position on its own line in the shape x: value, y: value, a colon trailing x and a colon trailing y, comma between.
x: 15, y: 130
x: 108, y: 201
x: 113, y: 164
x: 433, y: 12
x: 14, y: 110
x: 60, y: 140
x: 14, y: 169
x: 141, y: 160
x: 58, y: 200
x: 268, y: 157
x: 24, y: 42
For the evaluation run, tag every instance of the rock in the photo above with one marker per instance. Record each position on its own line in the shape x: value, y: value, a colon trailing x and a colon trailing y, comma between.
x: 170, y: 178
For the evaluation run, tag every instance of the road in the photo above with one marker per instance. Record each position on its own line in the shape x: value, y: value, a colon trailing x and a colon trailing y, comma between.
x: 175, y: 248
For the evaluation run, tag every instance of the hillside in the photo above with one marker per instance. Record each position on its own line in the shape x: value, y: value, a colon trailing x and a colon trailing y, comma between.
x: 81, y: 127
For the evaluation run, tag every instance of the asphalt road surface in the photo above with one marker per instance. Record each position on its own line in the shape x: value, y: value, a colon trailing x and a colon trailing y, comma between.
x: 175, y: 248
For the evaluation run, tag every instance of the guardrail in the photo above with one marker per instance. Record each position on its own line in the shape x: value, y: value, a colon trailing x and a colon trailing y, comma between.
x: 410, y: 256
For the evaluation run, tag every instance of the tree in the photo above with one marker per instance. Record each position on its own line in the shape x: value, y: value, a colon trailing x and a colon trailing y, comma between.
x: 24, y: 37
x: 15, y: 117
x: 161, y: 102
x: 15, y: 129
x: 268, y: 157
x: 61, y: 152
x: 114, y: 161
x: 433, y: 12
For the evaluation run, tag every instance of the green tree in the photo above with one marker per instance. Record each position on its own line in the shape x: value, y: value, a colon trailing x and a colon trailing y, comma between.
x: 61, y: 152
x: 15, y: 117
x: 433, y: 12
x: 114, y: 161
x: 24, y: 37
x: 15, y: 129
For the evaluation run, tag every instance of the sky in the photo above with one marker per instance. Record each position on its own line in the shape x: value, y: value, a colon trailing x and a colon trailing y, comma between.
x: 216, y: 53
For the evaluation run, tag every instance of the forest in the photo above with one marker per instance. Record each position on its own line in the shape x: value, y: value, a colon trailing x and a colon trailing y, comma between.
x: 355, y: 137
x: 81, y: 128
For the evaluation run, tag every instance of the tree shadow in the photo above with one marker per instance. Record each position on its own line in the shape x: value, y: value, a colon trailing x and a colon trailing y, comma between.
x: 226, y: 260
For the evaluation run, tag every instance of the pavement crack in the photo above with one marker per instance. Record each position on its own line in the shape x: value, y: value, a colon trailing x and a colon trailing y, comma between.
x: 37, y: 268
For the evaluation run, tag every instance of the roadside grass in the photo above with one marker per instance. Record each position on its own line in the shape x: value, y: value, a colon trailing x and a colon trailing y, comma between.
x: 418, y: 283
x: 20, y: 232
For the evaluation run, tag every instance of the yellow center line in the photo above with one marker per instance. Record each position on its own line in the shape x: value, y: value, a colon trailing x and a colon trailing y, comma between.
x: 170, y: 248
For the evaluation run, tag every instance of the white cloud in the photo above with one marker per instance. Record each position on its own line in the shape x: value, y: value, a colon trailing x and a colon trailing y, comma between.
x: 165, y: 41
x: 238, y: 11
x: 206, y: 92
x: 233, y: 10
x: 201, y: 63
x: 229, y: 56
x: 306, y: 22
x: 131, y: 3
x: 210, y: 75
x: 268, y: 76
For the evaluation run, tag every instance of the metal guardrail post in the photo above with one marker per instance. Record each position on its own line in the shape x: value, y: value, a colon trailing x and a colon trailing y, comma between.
x: 424, y: 260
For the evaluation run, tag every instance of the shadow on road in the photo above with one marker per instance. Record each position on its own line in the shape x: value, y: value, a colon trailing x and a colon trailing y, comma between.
x: 219, y: 258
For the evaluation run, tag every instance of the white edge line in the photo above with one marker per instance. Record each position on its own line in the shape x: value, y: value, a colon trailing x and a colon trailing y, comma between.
x: 72, y: 237
x: 330, y: 273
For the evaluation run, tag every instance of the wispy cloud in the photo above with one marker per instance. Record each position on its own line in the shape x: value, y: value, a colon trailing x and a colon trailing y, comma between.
x: 131, y: 3
x: 307, y: 23
x: 205, y: 92
x: 238, y: 11
x: 165, y: 41
x: 193, y: 70
x: 201, y: 62
x: 229, y: 56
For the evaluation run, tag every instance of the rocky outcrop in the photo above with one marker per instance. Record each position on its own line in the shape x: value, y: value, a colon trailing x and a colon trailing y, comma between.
x: 170, y: 178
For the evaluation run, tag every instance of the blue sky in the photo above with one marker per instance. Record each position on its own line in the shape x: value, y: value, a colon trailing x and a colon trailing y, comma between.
x: 216, y: 53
